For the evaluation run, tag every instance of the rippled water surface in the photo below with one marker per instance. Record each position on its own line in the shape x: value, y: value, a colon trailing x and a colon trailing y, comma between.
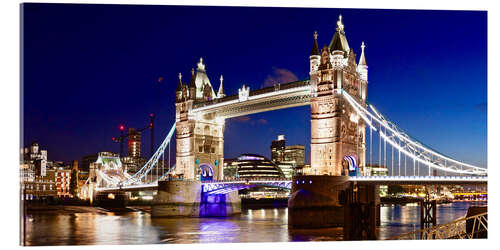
x: 253, y: 225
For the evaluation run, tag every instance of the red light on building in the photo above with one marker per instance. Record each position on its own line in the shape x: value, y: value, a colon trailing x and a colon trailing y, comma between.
x: 122, y: 127
x: 151, y: 115
x: 151, y: 125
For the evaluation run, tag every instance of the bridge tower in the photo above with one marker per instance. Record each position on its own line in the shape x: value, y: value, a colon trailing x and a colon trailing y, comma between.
x: 337, y: 132
x: 337, y: 137
x: 199, y: 155
x: 200, y: 139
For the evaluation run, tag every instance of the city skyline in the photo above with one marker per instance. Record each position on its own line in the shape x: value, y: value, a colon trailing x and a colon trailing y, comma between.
x: 431, y: 56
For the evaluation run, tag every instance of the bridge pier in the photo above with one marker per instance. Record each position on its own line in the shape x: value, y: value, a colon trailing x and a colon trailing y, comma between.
x: 115, y: 199
x: 328, y: 201
x: 314, y: 201
x: 186, y: 199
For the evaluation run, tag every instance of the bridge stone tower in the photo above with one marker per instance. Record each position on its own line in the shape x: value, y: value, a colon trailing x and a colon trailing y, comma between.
x: 199, y: 155
x: 337, y: 132
x: 200, y: 138
x: 337, y: 135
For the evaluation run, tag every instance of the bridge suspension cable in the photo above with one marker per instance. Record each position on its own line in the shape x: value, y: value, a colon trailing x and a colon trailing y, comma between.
x: 153, y: 161
x: 399, y: 140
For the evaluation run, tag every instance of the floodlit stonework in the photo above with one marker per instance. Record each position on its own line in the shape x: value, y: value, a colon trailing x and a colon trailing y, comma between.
x: 200, y: 137
x: 337, y: 132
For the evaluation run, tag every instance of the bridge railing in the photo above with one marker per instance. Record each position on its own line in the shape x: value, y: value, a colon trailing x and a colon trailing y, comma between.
x: 464, y: 228
x: 245, y: 180
x: 423, y: 178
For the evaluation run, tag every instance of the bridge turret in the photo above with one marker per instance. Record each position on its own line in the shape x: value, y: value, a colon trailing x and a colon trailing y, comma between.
x: 200, y: 80
x: 363, y: 72
x: 192, y: 86
x: 362, y: 67
x: 315, y: 57
x: 178, y: 90
x: 221, y: 92
x: 339, y: 40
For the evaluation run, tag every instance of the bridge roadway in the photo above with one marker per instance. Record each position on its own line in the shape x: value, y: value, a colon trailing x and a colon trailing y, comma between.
x: 232, y: 185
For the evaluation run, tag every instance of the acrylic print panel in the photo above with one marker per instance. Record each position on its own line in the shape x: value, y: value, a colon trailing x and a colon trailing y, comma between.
x: 150, y: 124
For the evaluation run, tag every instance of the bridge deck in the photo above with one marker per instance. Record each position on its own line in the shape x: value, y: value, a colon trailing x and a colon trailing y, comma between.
x: 377, y: 180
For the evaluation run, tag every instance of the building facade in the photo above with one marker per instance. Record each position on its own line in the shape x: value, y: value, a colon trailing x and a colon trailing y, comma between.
x: 63, y: 179
x: 37, y: 174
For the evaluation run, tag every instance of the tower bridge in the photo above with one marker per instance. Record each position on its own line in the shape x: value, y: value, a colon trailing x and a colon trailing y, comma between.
x: 344, y: 133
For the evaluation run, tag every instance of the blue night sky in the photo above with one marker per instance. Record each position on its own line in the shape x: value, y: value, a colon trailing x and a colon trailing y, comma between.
x: 90, y: 68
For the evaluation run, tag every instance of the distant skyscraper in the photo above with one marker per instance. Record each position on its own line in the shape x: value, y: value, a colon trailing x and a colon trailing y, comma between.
x: 288, y: 158
x: 134, y: 143
x: 278, y: 149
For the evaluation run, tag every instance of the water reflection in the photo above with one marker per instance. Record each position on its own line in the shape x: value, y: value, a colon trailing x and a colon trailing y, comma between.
x: 399, y: 219
x: 253, y: 225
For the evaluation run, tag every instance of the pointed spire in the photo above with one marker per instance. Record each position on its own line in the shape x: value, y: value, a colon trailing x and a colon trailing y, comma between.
x: 192, y: 83
x: 221, y: 93
x: 339, y: 41
x: 179, y: 84
x: 362, y: 60
x: 336, y: 43
x: 315, y: 49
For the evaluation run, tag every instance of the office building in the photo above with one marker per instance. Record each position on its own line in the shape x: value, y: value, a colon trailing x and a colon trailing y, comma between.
x: 288, y: 158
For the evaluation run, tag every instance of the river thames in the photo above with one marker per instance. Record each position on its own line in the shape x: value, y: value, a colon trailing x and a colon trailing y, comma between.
x: 253, y: 225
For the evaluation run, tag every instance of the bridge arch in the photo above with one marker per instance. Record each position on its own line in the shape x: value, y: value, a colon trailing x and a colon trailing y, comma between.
x: 206, y: 172
x: 350, y: 164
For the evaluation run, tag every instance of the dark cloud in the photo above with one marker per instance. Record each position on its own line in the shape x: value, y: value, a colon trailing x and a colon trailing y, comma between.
x: 241, y: 119
x: 247, y: 119
x: 262, y: 121
x: 280, y: 76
